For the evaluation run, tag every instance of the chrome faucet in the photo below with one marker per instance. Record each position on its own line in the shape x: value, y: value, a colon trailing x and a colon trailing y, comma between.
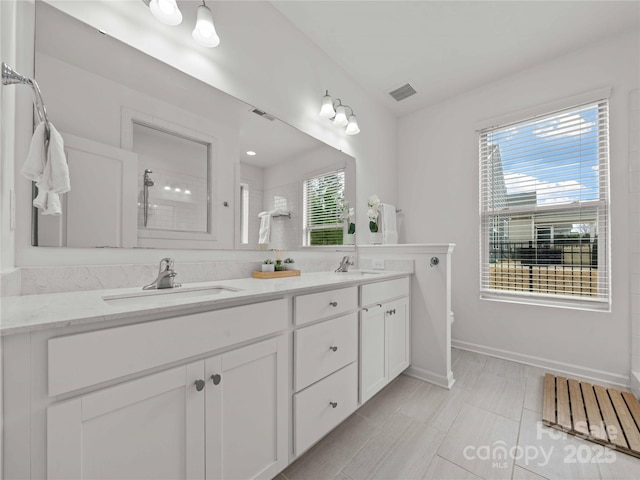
x: 166, y: 276
x: 345, y: 263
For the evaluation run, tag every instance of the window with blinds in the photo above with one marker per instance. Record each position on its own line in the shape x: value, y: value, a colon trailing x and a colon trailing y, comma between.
x: 322, y: 224
x: 544, y: 207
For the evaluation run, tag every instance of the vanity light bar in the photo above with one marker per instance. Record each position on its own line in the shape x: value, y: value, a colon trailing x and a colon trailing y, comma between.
x: 337, y: 112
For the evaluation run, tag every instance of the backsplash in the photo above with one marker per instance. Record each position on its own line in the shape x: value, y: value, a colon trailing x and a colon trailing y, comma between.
x: 57, y: 279
x: 38, y: 280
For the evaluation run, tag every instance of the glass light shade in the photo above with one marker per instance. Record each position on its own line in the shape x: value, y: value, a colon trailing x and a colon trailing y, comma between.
x: 205, y: 33
x: 341, y: 117
x: 166, y: 11
x: 326, y: 110
x: 352, y: 126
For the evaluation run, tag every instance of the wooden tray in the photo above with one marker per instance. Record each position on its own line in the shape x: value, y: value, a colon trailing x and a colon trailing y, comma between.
x: 283, y: 273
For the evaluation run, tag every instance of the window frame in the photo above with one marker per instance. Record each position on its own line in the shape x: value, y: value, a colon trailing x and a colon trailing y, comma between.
x: 308, y: 229
x: 601, y: 207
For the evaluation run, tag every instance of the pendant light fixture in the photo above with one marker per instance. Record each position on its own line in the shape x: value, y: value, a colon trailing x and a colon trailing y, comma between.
x: 166, y: 11
x: 205, y: 33
x: 337, y: 112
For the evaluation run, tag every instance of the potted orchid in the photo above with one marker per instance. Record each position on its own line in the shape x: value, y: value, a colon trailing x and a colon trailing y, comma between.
x: 374, y: 219
x: 347, y: 214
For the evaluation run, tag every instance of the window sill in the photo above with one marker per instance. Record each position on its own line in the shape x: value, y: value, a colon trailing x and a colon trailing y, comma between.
x: 562, y: 301
x: 328, y: 248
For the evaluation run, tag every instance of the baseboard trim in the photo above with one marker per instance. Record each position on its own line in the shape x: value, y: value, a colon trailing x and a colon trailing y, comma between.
x: 635, y: 383
x: 430, y: 377
x: 590, y: 374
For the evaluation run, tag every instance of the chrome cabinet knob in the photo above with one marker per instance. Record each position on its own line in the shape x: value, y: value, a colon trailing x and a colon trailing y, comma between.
x: 334, y: 348
x: 199, y: 385
x: 333, y: 304
x: 333, y: 404
x: 216, y: 379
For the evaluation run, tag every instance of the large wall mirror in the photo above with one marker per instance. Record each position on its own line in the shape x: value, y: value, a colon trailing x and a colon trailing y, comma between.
x: 160, y: 159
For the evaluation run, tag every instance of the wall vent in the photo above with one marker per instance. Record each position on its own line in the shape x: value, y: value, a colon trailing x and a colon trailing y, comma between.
x: 403, y: 92
x: 263, y: 114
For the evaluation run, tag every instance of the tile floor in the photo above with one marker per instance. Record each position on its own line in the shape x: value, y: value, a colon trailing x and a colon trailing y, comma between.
x: 486, y: 427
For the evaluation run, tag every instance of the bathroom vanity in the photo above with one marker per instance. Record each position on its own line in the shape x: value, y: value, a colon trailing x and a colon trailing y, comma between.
x: 231, y: 379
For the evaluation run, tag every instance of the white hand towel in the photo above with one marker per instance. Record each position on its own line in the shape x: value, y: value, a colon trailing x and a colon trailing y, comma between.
x: 55, y: 177
x: 389, y: 225
x: 34, y: 165
x: 48, y: 202
x: 264, y: 235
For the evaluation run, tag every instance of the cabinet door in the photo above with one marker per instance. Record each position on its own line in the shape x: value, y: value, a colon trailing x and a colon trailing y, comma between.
x: 150, y: 428
x: 246, y: 412
x: 373, y: 368
x: 397, y: 328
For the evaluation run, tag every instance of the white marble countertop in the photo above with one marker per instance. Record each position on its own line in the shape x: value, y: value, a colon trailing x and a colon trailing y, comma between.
x: 21, y: 314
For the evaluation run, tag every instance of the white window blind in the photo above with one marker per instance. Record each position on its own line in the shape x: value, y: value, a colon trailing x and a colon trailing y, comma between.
x: 544, y: 206
x: 322, y: 225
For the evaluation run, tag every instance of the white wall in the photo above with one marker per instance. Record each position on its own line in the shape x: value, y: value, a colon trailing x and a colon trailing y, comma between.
x: 634, y: 222
x: 438, y: 163
x: 263, y: 60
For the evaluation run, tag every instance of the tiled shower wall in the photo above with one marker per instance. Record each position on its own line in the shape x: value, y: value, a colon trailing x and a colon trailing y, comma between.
x: 634, y: 198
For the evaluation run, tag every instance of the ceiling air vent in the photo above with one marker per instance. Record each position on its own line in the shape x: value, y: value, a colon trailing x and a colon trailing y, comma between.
x: 403, y: 92
x: 264, y: 114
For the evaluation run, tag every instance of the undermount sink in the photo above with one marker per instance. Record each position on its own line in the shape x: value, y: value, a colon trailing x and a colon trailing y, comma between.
x: 358, y: 273
x: 155, y: 296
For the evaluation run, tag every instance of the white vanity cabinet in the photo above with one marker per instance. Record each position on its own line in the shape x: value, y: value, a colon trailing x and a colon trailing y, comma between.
x: 325, y: 363
x: 384, y: 334
x: 148, y: 428
x: 220, y: 417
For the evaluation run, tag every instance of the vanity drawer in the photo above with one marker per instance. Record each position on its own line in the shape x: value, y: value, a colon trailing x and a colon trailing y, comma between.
x: 316, y: 306
x: 373, y: 293
x: 323, y: 348
x: 108, y: 354
x: 322, y: 406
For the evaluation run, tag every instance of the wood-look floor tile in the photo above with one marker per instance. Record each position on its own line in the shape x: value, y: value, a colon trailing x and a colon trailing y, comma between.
x: 534, y: 389
x: 435, y: 406
x: 512, y: 371
x: 476, y: 441
x: 498, y: 394
x: 386, y: 402
x: 443, y: 469
x: 402, y: 448
x: 466, y: 368
x: 552, y: 453
x: 520, y: 473
x: 618, y: 466
x: 327, y: 458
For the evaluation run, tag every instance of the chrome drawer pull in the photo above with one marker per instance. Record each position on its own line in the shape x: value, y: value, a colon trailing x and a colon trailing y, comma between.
x: 199, y: 385
x: 333, y: 404
x: 335, y: 349
x: 333, y: 304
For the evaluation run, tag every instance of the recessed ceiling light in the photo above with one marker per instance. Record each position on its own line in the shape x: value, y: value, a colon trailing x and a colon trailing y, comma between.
x: 167, y: 187
x: 177, y: 190
x: 251, y: 153
x: 187, y: 192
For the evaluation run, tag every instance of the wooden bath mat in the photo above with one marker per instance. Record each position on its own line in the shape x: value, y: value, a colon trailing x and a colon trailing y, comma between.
x: 602, y: 415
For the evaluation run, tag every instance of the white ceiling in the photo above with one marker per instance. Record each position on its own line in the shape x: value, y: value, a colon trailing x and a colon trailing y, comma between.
x: 443, y: 48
